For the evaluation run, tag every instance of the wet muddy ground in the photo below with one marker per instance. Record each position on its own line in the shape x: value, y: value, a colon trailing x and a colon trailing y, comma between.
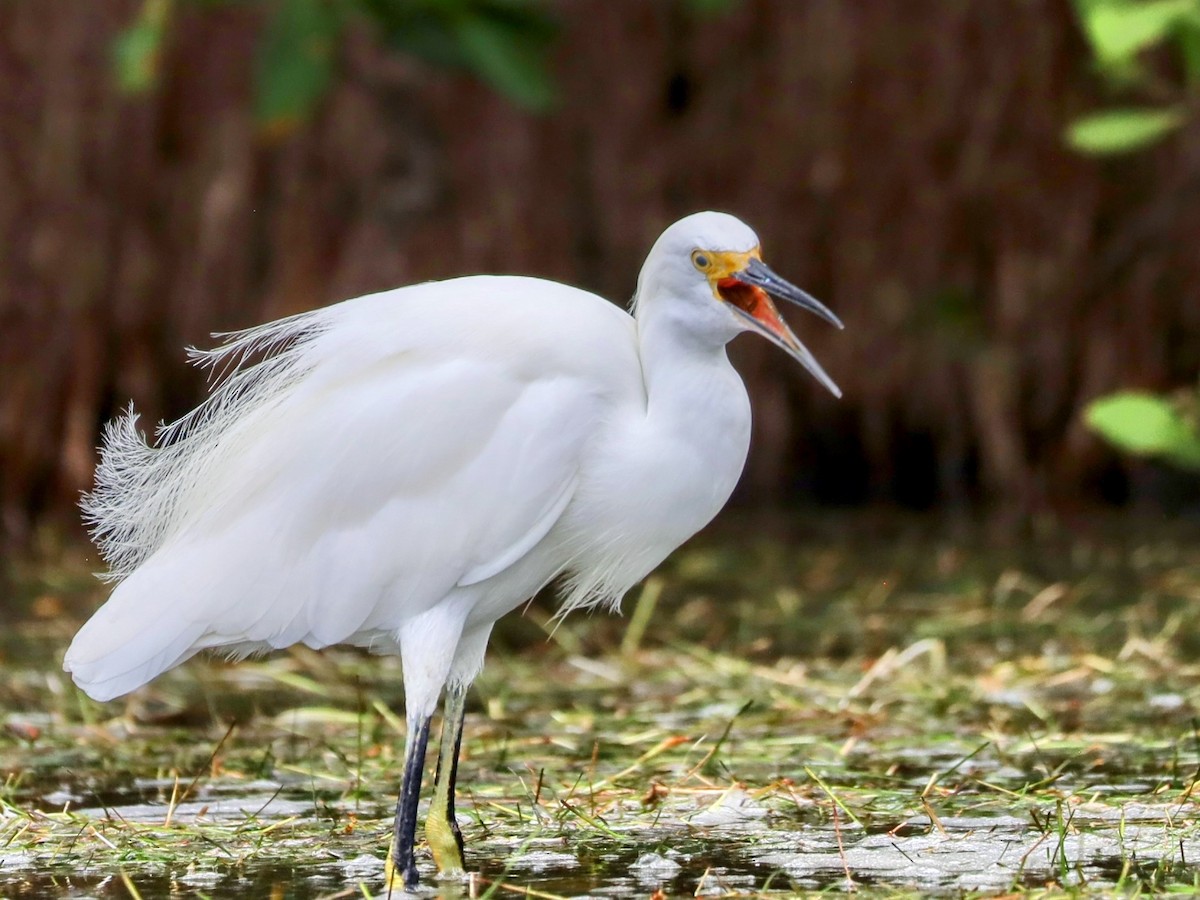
x: 892, y: 707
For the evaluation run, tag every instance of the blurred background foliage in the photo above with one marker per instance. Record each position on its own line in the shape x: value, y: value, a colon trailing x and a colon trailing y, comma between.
x: 1120, y: 33
x: 503, y: 42
x: 1150, y: 425
x: 999, y: 199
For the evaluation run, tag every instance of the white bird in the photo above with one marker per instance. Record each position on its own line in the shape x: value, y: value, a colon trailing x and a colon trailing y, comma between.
x: 400, y: 470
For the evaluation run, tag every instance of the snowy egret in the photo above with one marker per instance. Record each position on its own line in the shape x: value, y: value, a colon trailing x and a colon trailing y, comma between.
x: 400, y: 470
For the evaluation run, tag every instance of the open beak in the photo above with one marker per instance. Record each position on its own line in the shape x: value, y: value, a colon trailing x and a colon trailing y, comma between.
x: 748, y: 291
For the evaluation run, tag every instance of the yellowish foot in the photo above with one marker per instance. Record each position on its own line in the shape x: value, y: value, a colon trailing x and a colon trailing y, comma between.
x: 393, y: 878
x: 443, y: 843
x: 390, y: 880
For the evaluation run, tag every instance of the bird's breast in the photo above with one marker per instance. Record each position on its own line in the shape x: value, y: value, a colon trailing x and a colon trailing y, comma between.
x: 676, y: 476
x: 657, y: 476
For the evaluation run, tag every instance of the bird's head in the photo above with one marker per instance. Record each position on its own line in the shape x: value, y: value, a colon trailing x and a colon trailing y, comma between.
x: 712, y: 263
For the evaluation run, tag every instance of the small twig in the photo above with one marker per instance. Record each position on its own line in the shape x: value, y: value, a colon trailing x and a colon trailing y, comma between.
x: 658, y: 749
x: 1038, y: 750
x: 130, y: 886
x: 1191, y: 788
x: 837, y: 833
x: 933, y: 816
x: 703, y: 764
x: 208, y: 766
x: 258, y: 812
x: 101, y: 838
x: 173, y: 802
x: 521, y: 889
x: 593, y: 821
x: 963, y: 760
x: 833, y: 797
x: 1029, y: 852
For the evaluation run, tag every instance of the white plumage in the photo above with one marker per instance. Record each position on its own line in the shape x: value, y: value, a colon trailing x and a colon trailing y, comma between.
x: 399, y: 470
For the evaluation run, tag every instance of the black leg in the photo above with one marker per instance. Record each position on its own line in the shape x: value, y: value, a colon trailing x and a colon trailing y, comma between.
x: 405, y: 834
x: 441, y: 827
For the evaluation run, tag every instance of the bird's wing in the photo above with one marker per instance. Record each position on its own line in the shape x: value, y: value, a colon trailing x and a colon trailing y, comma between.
x: 402, y: 462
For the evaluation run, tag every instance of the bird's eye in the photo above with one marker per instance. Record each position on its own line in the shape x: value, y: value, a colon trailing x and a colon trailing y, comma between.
x: 700, y: 261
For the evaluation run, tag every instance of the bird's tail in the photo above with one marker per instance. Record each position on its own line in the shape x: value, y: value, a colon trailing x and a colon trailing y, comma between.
x: 135, y: 636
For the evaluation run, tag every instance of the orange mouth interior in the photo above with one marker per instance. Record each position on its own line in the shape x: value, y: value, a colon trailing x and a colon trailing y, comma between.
x: 752, y: 300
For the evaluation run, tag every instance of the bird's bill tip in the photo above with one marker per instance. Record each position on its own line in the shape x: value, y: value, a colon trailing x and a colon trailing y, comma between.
x: 761, y: 315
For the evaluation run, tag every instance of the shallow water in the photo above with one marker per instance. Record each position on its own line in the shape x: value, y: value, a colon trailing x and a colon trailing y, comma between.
x: 753, y: 854
x: 918, y: 713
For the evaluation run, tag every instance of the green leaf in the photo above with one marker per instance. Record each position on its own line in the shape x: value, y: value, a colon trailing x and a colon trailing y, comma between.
x: 1187, y: 39
x: 137, y: 49
x: 1122, y: 130
x: 504, y: 42
x: 429, y: 39
x: 507, y: 57
x: 1145, y: 425
x: 420, y: 28
x: 295, y: 62
x: 1119, y: 29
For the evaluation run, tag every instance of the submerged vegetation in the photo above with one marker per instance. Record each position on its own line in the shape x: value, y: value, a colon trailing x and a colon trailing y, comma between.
x: 863, y: 705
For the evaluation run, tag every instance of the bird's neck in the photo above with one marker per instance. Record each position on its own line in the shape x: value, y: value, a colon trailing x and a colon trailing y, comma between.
x: 690, y: 384
x: 692, y: 443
